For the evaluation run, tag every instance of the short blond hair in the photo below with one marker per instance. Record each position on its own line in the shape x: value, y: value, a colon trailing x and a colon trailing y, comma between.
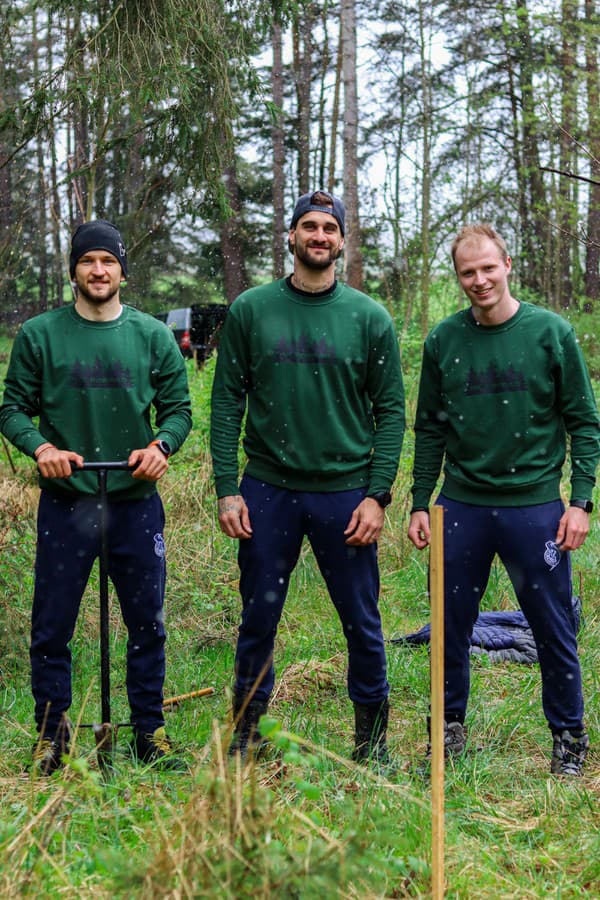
x: 479, y: 230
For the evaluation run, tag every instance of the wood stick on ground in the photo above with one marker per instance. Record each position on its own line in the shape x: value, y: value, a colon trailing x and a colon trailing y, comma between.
x: 203, y: 692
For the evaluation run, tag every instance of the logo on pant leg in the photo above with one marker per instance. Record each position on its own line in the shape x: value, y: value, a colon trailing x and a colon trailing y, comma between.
x: 159, y: 545
x: 552, y: 555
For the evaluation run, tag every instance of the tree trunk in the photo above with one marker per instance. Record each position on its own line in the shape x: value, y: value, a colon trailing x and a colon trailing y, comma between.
x: 335, y: 116
x: 277, y: 136
x: 42, y: 254
x: 8, y: 217
x: 567, y: 214
x: 302, y: 40
x: 232, y: 249
x: 425, y: 66
x: 592, y: 259
x: 353, y: 256
x: 536, y: 273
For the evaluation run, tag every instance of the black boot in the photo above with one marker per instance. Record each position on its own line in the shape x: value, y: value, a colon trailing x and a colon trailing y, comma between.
x: 569, y: 753
x: 370, y: 738
x: 49, y: 753
x: 246, y: 713
x: 455, y: 739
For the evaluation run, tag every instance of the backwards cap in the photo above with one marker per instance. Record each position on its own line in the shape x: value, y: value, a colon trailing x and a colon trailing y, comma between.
x: 306, y: 204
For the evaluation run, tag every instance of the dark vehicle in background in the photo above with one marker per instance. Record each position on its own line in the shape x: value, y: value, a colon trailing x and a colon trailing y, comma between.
x: 196, y: 328
x: 180, y: 323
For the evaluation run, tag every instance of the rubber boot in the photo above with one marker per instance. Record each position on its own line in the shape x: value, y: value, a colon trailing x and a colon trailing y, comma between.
x: 370, y: 736
x: 246, y: 713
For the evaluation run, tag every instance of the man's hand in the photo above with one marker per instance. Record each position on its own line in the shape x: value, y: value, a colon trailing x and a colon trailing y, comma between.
x: 365, y: 523
x: 573, y: 528
x: 234, y: 517
x: 55, y: 463
x: 150, y: 463
x: 419, y: 531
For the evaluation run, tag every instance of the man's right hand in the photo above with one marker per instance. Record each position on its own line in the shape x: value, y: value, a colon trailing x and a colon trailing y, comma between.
x: 55, y: 463
x: 419, y: 531
x: 234, y: 517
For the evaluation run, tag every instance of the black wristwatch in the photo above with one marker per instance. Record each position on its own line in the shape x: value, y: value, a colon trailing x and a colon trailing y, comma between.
x: 586, y: 505
x: 162, y: 446
x: 384, y: 498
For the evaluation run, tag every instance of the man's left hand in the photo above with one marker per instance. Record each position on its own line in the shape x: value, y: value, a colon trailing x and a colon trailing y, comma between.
x: 365, y: 524
x: 150, y: 463
x: 573, y: 528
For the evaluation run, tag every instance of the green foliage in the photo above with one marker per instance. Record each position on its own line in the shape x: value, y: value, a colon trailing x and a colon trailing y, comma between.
x: 587, y: 328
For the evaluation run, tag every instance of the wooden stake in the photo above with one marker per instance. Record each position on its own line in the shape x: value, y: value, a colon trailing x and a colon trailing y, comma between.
x: 436, y: 588
x: 203, y: 692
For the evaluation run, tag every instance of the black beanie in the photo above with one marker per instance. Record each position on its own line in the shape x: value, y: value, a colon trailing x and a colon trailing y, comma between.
x: 98, y: 235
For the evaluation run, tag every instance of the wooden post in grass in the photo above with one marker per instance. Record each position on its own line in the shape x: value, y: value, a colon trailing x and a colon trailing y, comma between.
x: 436, y: 588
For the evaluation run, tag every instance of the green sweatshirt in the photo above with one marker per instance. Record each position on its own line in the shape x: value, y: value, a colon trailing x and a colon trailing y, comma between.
x: 92, y: 385
x: 499, y: 402
x: 322, y: 380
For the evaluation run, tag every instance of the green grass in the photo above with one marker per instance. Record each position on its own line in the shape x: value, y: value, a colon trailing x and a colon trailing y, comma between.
x: 314, y: 825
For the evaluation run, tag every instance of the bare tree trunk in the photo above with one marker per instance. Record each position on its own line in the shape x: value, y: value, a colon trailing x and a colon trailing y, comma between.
x: 8, y: 217
x: 592, y: 260
x: 567, y: 214
x: 56, y: 298
x: 537, y: 274
x: 303, y: 42
x: 353, y: 255
x: 232, y: 248
x: 42, y: 255
x: 335, y: 115
x: 323, y: 128
x: 277, y: 136
x: 80, y: 200
x: 425, y: 166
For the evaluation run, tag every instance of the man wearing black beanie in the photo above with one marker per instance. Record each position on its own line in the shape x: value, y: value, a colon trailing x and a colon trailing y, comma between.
x: 98, y: 235
x: 90, y: 372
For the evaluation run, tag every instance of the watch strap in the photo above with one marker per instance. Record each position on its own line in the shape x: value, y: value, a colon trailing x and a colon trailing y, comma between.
x: 162, y: 446
x: 586, y: 505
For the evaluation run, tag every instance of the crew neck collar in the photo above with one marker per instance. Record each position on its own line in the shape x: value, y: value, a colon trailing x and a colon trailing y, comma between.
x: 314, y: 295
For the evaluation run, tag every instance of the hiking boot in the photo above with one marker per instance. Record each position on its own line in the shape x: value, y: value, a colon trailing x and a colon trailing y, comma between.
x: 370, y: 737
x: 569, y: 753
x: 246, y: 738
x: 157, y: 748
x: 47, y: 753
x: 47, y: 756
x: 455, y: 739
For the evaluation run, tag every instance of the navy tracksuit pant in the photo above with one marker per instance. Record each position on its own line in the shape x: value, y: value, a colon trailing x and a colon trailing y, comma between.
x: 68, y: 543
x: 280, y: 518
x: 523, y: 538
